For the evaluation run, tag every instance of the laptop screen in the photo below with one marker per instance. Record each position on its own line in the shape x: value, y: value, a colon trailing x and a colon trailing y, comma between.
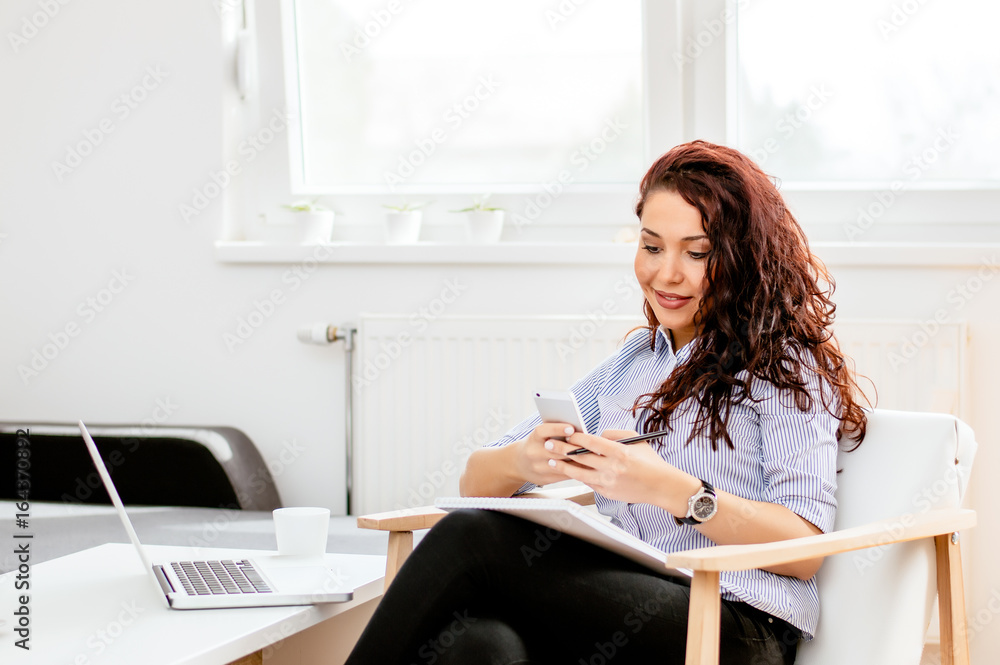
x: 102, y: 470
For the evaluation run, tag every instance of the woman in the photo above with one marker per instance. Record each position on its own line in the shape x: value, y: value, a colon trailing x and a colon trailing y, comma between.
x: 739, y: 364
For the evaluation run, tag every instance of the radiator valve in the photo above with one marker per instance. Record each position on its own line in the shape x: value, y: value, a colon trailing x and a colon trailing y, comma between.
x: 319, y: 333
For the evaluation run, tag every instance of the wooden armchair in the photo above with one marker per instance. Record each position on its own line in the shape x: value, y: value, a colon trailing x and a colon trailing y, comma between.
x: 895, y: 544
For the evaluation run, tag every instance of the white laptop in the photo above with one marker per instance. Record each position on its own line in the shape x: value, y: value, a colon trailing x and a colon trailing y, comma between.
x: 241, y: 582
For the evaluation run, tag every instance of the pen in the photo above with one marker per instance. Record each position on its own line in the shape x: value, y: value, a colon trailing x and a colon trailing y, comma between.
x: 631, y: 439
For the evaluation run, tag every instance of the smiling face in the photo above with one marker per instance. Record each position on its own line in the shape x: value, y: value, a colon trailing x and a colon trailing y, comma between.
x: 670, y: 262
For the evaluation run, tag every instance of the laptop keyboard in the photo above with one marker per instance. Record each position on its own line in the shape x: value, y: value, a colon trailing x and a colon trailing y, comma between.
x: 205, y: 578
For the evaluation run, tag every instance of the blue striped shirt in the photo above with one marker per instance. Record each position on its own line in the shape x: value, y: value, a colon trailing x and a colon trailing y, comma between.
x: 782, y: 455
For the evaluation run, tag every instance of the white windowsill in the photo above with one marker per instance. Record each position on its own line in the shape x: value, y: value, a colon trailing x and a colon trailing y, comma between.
x: 499, y: 253
x: 561, y: 253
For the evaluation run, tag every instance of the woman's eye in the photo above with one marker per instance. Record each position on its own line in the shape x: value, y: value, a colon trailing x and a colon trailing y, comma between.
x: 698, y: 255
x: 651, y: 249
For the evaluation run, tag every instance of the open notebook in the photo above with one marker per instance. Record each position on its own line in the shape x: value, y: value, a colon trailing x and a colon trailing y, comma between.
x: 574, y: 519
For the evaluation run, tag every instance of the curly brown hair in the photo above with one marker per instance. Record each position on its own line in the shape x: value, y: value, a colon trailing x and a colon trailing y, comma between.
x: 766, y: 308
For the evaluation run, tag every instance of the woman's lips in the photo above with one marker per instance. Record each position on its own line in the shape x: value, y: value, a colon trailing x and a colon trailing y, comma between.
x: 671, y: 300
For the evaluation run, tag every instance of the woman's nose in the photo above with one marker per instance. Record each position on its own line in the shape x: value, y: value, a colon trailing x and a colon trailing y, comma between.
x: 669, y: 270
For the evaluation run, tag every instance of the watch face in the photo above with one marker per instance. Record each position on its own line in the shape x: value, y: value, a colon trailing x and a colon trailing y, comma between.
x: 703, y: 508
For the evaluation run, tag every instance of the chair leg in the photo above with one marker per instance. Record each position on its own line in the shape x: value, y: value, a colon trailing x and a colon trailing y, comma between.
x: 400, y: 546
x: 951, y: 601
x: 703, y: 620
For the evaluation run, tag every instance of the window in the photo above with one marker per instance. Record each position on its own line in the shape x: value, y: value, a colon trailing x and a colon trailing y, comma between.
x: 870, y: 90
x: 450, y: 95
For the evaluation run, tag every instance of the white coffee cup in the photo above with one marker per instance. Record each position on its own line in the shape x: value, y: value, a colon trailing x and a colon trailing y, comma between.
x: 301, y: 531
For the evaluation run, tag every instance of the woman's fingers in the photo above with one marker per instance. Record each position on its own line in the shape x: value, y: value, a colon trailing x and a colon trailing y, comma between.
x: 618, y: 471
x: 557, y: 447
x: 601, y: 445
x: 577, y: 471
x: 552, y: 430
x: 552, y: 438
x: 595, y: 444
x: 542, y: 445
x: 546, y: 455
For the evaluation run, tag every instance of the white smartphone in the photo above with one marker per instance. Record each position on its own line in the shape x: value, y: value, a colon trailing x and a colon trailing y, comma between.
x: 559, y: 406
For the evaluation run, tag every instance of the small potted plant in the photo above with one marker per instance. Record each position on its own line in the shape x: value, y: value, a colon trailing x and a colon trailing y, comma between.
x: 402, y: 223
x: 302, y: 221
x: 485, y: 223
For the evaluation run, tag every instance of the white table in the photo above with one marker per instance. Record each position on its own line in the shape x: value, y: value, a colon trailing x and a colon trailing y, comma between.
x: 98, y: 607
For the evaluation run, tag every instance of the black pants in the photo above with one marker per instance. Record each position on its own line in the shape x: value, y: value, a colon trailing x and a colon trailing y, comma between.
x: 486, y: 588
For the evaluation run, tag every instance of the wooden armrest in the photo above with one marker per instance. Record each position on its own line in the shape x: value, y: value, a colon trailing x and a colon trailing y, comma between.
x: 893, y: 530
x: 408, y: 519
x: 415, y: 519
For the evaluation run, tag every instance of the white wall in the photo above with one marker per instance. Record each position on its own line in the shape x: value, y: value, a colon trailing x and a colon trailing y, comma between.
x: 160, y: 339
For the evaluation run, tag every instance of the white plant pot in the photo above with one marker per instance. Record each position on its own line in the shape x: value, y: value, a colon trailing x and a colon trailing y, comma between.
x: 402, y: 228
x: 293, y: 227
x: 317, y: 226
x: 485, y: 226
x: 280, y: 227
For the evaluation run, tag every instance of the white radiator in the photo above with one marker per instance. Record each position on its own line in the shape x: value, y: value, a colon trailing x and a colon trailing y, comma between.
x: 915, y: 366
x: 427, y: 393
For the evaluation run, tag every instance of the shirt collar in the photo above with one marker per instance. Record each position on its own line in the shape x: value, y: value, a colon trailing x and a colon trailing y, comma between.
x: 664, y: 344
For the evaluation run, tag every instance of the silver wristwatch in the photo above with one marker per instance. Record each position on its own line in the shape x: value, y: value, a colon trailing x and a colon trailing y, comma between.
x: 701, y: 507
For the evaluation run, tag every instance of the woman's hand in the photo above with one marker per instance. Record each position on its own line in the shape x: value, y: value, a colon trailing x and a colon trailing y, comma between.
x: 542, y: 446
x: 632, y: 473
x: 502, y: 471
